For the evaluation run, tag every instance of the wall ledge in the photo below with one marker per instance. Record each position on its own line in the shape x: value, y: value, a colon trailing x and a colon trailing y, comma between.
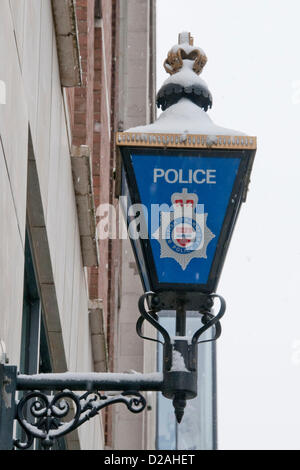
x: 83, y: 187
x: 64, y: 14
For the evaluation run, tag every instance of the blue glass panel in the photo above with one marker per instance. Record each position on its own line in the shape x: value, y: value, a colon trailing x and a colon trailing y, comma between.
x: 201, y: 182
x: 137, y: 243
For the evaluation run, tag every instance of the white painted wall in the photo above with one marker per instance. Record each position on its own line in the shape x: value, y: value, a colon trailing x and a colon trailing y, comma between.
x: 29, y: 68
x: 13, y: 177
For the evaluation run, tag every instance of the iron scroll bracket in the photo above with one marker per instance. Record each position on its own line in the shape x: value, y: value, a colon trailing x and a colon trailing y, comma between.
x: 180, y: 353
x: 55, y: 404
x: 151, y: 316
x: 208, y: 319
x: 49, y: 407
x: 41, y: 416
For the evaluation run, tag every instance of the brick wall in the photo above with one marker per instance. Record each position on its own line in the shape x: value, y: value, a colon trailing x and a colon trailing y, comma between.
x: 93, y: 120
x: 84, y: 100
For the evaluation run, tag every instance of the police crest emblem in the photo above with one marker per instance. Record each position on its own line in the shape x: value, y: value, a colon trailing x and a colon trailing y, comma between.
x: 183, y: 233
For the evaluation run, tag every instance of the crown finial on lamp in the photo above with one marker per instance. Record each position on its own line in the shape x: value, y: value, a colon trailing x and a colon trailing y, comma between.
x: 184, y: 63
x: 185, y: 50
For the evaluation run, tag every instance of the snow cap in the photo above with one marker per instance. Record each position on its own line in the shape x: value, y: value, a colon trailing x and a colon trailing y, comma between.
x: 184, y: 97
x: 184, y: 63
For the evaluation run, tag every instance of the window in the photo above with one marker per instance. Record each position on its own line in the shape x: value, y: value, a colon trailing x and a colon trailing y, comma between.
x: 35, y: 356
x: 31, y: 322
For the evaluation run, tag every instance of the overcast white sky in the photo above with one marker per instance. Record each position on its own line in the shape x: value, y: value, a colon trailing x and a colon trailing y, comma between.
x: 253, y: 72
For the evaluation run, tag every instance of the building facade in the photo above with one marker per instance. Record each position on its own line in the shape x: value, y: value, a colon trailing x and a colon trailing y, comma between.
x: 72, y: 74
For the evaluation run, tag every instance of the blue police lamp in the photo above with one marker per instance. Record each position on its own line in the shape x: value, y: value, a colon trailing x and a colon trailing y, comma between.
x: 187, y: 179
x: 184, y: 179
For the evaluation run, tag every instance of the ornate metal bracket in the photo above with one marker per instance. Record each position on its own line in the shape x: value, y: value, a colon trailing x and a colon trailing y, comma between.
x: 208, y: 319
x: 180, y: 354
x: 45, y: 416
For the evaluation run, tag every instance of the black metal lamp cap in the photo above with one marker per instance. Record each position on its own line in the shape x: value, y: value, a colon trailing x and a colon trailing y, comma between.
x: 171, y: 93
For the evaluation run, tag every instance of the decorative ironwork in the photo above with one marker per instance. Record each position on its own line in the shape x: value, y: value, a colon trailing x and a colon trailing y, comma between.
x: 151, y: 316
x: 180, y: 383
x: 208, y: 319
x: 50, y: 408
x: 45, y: 416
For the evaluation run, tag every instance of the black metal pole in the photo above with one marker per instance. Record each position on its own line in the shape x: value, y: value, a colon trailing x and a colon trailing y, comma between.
x: 180, y: 331
x: 214, y: 396
x: 91, y: 381
x: 180, y: 319
x: 7, y: 405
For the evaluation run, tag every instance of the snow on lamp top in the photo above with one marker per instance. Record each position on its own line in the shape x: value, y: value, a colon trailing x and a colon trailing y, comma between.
x: 184, y: 63
x: 184, y: 97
